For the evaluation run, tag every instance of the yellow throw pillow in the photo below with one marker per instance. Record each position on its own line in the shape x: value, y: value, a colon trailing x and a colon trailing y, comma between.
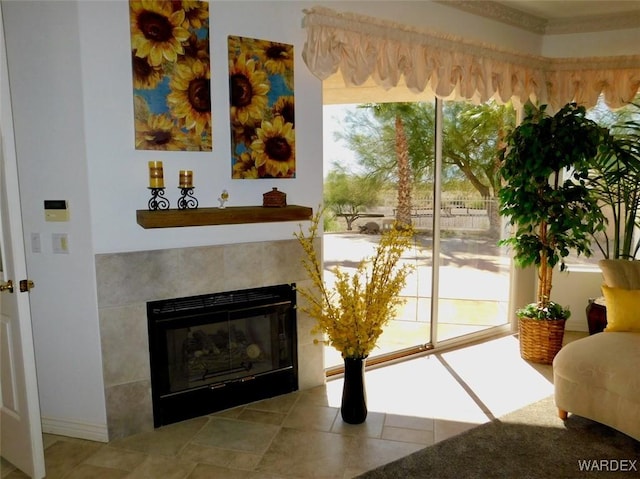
x: 623, y: 308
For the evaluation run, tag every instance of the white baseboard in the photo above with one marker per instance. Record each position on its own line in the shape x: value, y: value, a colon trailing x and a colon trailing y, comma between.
x: 80, y: 430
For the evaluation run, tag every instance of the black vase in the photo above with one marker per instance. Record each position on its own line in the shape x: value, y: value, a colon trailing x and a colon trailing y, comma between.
x: 354, y: 395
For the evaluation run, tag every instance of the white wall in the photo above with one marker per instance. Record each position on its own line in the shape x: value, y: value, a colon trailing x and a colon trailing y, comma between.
x: 443, y: 19
x: 596, y: 44
x: 72, y: 98
x: 71, y: 86
x: 43, y: 41
x: 573, y: 289
x: 118, y: 174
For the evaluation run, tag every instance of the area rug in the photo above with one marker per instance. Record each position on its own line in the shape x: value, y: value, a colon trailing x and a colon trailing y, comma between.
x: 531, y: 443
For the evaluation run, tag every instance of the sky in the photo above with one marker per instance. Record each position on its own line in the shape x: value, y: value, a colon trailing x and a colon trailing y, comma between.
x: 334, y: 150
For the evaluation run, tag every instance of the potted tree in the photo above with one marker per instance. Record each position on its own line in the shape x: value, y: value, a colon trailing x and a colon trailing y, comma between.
x: 614, y: 179
x: 544, y: 169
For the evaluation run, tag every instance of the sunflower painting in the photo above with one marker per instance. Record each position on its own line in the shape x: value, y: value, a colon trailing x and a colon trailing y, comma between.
x: 171, y: 74
x: 263, y: 142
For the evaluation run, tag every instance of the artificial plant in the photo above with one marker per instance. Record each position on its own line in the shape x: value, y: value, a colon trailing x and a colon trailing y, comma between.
x: 544, y: 193
x: 614, y: 179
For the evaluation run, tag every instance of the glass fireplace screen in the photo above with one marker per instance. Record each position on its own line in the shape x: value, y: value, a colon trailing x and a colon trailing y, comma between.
x: 221, y: 351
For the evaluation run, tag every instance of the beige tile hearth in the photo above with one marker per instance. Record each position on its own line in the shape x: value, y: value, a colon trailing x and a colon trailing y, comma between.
x: 127, y: 281
x: 301, y: 435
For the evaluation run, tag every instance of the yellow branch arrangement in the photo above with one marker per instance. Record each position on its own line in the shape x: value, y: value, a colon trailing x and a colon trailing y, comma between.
x: 354, y: 311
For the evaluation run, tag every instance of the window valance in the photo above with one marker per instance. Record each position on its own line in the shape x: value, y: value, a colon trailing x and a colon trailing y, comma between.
x: 362, y: 47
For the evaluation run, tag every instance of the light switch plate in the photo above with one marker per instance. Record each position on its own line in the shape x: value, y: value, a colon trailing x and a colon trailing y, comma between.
x: 60, y: 243
x: 35, y: 243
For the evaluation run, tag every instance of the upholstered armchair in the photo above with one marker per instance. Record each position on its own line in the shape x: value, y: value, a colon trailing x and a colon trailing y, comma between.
x: 597, y: 376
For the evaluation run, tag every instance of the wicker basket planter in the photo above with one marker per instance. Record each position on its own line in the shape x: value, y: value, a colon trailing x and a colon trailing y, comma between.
x: 540, y: 340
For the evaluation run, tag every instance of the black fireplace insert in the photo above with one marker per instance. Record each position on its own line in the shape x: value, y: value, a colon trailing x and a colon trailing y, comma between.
x: 216, y: 351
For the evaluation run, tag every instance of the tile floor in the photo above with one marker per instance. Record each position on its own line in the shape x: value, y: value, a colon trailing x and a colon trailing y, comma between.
x: 412, y: 404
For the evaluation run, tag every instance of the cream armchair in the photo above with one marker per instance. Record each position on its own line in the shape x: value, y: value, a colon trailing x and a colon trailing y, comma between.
x: 597, y: 376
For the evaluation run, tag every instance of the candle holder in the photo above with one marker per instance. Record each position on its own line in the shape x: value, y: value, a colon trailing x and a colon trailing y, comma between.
x: 157, y: 200
x: 187, y: 200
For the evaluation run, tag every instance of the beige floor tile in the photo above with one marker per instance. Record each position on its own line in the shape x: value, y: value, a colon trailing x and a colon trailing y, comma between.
x: 266, y: 417
x: 14, y: 474
x: 279, y: 404
x: 5, y: 467
x: 445, y: 429
x: 62, y: 456
x: 206, y: 471
x: 219, y: 457
x: 167, y: 440
x: 371, y: 427
x: 306, y: 454
x: 8, y: 471
x: 316, y: 396
x: 370, y: 453
x: 230, y: 413
x: 236, y: 435
x: 310, y: 417
x: 301, y: 435
x: 114, y: 458
x: 415, y: 436
x: 409, y: 422
x: 156, y: 467
x: 84, y: 471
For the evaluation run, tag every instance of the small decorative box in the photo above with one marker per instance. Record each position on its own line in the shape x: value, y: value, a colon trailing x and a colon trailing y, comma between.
x: 274, y: 199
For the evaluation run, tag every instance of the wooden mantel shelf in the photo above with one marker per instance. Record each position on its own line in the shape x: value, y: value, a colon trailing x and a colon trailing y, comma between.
x: 231, y: 215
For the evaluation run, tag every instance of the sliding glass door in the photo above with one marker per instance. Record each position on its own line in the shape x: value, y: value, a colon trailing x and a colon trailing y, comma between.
x: 459, y: 288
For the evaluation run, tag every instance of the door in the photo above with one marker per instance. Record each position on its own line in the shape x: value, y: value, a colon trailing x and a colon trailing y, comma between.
x: 459, y: 290
x: 21, y: 432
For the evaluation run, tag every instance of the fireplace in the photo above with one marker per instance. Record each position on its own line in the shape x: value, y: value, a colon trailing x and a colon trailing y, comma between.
x: 214, y: 351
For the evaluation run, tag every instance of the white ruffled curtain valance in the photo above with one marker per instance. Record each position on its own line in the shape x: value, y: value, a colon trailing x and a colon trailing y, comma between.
x: 361, y: 47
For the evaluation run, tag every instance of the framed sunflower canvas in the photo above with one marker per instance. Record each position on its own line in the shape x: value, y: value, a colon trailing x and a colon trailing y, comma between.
x: 171, y: 75
x: 261, y: 109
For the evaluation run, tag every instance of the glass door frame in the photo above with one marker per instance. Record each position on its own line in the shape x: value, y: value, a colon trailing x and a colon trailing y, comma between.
x: 432, y: 344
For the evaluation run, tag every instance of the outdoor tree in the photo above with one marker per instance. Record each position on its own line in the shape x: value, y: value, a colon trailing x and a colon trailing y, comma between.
x: 471, y: 142
x: 397, y: 112
x: 347, y: 194
x: 473, y: 136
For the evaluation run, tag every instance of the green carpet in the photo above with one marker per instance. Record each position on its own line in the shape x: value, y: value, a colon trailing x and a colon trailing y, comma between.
x: 531, y: 443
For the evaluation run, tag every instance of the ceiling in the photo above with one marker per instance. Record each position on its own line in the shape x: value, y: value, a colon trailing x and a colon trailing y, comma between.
x: 554, y: 16
x: 555, y: 10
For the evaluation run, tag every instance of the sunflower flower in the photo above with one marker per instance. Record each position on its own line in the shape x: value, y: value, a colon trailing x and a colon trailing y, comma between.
x: 275, y: 148
x: 190, y: 97
x: 285, y: 107
x: 244, y: 168
x: 196, y: 13
x: 248, y: 88
x: 156, y: 31
x: 159, y: 132
x: 278, y: 58
x: 244, y: 134
x: 145, y: 77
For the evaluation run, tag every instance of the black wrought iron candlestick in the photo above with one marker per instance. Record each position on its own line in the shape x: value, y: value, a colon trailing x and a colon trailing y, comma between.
x: 187, y: 200
x: 158, y: 201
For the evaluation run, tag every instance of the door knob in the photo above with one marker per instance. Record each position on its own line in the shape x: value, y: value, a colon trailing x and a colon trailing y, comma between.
x: 8, y: 286
x: 26, y: 285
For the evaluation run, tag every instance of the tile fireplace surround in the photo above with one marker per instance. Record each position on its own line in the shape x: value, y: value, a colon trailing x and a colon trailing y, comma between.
x: 126, y: 281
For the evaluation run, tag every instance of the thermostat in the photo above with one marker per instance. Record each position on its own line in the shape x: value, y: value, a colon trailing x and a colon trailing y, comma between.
x: 56, y: 210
